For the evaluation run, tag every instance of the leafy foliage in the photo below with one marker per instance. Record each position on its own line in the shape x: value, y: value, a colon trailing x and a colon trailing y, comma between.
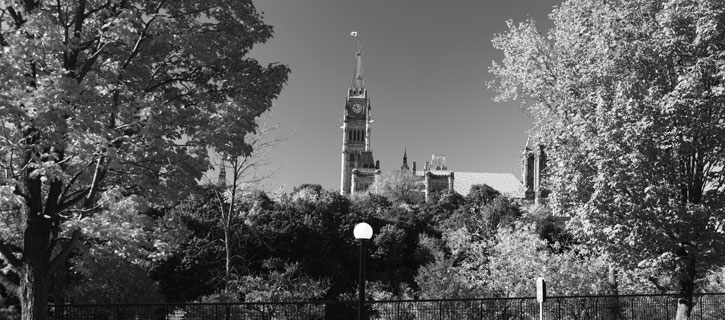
x: 628, y: 98
x: 129, y: 94
x: 288, y: 284
x: 399, y: 187
x: 109, y: 279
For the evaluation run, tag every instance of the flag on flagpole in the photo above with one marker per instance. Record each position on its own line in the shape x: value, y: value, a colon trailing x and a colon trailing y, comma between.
x: 354, y: 33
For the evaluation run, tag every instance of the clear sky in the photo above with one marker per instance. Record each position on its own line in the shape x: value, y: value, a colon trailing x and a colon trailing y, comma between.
x: 425, y: 66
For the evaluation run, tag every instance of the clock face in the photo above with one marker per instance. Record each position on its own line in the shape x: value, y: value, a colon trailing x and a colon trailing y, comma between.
x: 357, y: 108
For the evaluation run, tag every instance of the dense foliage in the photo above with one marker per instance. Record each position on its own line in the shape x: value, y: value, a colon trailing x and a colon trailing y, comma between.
x: 628, y: 98
x: 125, y: 95
x: 300, y: 246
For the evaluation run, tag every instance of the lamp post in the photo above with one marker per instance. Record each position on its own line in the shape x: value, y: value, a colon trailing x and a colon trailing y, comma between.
x: 363, y: 232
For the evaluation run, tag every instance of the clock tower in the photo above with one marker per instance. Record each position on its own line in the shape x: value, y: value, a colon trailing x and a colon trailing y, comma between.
x: 358, y: 167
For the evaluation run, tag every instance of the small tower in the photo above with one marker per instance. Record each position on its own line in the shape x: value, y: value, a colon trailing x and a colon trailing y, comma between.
x: 533, y: 166
x: 437, y: 177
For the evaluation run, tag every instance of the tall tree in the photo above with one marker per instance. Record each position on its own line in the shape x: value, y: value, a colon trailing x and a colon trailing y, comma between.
x: 119, y: 92
x: 628, y: 98
x: 248, y: 170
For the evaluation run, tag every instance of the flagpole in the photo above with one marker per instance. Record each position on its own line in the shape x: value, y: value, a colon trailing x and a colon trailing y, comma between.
x: 357, y: 37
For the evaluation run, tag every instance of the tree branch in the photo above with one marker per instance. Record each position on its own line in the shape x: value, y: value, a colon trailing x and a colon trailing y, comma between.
x: 72, y: 180
x: 98, y: 175
x: 9, y: 256
x: 63, y: 254
x: 74, y: 198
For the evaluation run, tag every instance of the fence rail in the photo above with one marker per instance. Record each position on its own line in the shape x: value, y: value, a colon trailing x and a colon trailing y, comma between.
x: 631, y: 307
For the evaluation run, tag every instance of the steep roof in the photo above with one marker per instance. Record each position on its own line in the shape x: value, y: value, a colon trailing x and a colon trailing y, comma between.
x: 506, y: 183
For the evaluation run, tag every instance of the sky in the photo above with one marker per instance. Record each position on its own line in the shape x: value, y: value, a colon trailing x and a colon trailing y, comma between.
x: 425, y: 66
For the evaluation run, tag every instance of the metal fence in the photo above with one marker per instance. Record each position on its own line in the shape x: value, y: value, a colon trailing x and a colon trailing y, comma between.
x: 631, y: 307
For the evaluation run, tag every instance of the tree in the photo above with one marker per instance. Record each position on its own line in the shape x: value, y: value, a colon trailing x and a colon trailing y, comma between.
x: 399, y: 187
x: 247, y: 173
x: 117, y: 93
x: 441, y: 278
x: 123, y: 239
x: 628, y: 98
x: 481, y: 194
x: 518, y: 256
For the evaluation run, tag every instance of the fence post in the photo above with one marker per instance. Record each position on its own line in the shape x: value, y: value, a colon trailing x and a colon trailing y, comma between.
x: 440, y: 310
x: 667, y: 309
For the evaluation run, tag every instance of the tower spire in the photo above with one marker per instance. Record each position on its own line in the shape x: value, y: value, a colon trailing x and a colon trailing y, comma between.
x: 357, y: 85
x: 405, y: 167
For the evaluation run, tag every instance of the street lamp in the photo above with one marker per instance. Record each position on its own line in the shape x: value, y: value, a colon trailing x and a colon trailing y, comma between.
x: 363, y: 232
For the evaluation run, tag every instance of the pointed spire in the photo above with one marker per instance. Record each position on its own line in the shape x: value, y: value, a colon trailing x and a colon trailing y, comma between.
x: 357, y: 85
x: 405, y: 167
x: 222, y: 179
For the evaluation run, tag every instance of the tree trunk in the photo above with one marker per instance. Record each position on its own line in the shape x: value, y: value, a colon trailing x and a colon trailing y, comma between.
x: 59, y: 283
x: 686, y: 270
x: 33, y: 274
x: 228, y: 262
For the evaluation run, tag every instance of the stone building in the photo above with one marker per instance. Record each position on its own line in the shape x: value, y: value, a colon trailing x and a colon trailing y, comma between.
x: 359, y: 170
x: 437, y: 177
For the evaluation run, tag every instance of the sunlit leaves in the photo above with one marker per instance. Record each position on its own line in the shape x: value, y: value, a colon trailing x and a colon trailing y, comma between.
x: 98, y: 96
x: 627, y: 97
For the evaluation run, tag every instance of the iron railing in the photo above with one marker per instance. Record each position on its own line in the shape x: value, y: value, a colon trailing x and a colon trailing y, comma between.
x: 630, y: 307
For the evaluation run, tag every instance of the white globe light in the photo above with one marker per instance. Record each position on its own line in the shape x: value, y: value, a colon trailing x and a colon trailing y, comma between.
x: 363, y: 231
